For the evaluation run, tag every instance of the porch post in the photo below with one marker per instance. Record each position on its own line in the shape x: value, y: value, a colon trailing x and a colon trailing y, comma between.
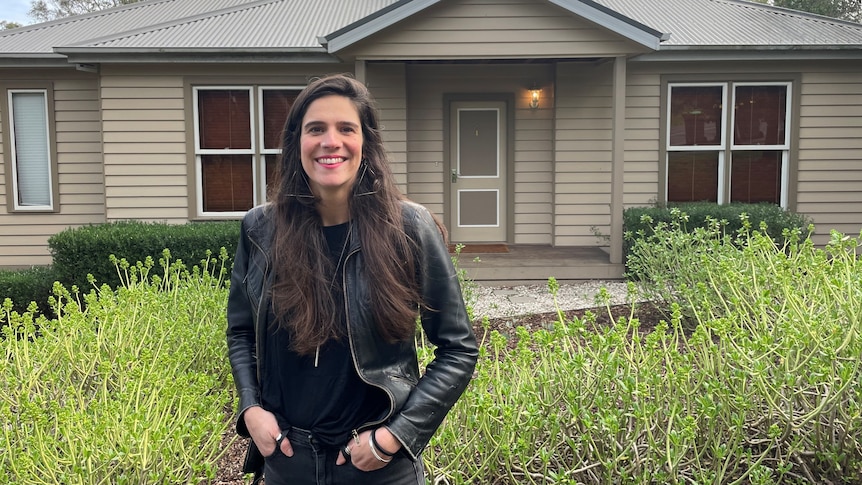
x: 618, y: 159
x: 359, y: 71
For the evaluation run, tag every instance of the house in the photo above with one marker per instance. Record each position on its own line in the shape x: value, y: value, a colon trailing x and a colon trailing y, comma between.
x: 532, y: 123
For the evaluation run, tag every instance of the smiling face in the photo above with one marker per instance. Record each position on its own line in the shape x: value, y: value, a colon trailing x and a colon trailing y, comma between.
x: 331, y: 146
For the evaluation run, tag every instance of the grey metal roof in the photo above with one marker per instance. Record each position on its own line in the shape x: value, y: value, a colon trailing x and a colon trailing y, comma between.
x: 736, y: 23
x: 42, y: 38
x: 261, y: 24
x: 298, y: 26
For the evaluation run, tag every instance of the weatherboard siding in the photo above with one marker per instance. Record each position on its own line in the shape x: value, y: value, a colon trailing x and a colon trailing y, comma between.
x: 24, y: 235
x: 144, y: 130
x: 830, y: 150
x: 531, y: 168
x: 387, y: 83
x: 501, y: 29
x: 583, y: 146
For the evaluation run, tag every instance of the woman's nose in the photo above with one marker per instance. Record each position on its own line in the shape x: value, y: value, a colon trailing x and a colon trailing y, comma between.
x: 330, y: 139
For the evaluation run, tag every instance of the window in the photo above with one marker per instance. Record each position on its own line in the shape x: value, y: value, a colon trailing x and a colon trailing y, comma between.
x: 237, y: 144
x: 728, y: 155
x: 31, y: 153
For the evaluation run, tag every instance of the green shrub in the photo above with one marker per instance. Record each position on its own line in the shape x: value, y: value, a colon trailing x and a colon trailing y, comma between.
x: 82, y: 250
x: 765, y: 391
x: 27, y: 285
x: 776, y: 219
x: 132, y: 390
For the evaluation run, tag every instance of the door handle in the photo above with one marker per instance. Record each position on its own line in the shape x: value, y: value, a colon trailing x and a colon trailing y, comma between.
x: 454, y: 175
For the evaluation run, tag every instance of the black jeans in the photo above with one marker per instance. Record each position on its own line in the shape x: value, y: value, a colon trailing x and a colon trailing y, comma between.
x: 312, y: 464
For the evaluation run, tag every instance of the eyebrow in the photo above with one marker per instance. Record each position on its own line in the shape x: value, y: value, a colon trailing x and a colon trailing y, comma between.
x: 339, y: 123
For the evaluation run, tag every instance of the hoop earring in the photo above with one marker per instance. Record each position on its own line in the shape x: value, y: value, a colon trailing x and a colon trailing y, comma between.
x: 297, y: 195
x: 366, y: 167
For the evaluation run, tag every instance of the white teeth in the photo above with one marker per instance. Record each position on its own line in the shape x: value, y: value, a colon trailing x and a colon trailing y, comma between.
x: 328, y: 161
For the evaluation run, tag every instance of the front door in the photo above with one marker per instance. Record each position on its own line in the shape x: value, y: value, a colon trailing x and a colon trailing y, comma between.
x: 477, y: 172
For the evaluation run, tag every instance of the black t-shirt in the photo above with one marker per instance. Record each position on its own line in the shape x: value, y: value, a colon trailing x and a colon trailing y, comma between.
x: 326, y: 396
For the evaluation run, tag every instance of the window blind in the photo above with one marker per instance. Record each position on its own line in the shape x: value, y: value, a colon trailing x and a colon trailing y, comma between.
x: 31, y: 149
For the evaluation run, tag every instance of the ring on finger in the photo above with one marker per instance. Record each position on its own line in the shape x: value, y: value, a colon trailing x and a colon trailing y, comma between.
x: 346, y: 451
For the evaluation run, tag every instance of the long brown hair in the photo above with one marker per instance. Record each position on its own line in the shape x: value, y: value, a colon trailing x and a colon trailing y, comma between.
x: 302, y: 293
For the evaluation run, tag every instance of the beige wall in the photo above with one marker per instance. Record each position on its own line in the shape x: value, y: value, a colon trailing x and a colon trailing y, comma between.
x: 830, y: 149
x: 500, y: 29
x: 145, y: 144
x: 826, y: 148
x: 24, y: 235
x: 583, y: 134
x: 388, y: 83
x: 532, y: 148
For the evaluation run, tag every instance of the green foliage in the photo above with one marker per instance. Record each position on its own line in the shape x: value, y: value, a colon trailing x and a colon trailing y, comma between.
x: 638, y: 222
x: 468, y: 286
x: 842, y: 9
x: 47, y: 10
x: 765, y: 390
x: 28, y: 285
x: 130, y: 389
x: 85, y: 250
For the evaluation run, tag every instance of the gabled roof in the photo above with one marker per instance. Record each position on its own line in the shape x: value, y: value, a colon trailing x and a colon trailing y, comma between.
x: 587, y: 9
x: 314, y: 30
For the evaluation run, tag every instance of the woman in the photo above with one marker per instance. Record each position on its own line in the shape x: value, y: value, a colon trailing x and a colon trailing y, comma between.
x: 327, y: 284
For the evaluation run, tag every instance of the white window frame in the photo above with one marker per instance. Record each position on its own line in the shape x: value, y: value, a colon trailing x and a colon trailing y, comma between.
x: 257, y: 152
x: 784, y: 147
x: 726, y: 146
x: 199, y: 152
x: 261, y: 158
x: 16, y: 189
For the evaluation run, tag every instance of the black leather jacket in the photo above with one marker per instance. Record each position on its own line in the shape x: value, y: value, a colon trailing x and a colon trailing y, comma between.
x: 418, y: 405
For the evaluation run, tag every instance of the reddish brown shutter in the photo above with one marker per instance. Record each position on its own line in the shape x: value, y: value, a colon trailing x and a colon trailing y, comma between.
x: 760, y: 115
x: 276, y: 104
x: 692, y: 176
x: 227, y: 183
x: 224, y: 120
x: 755, y: 177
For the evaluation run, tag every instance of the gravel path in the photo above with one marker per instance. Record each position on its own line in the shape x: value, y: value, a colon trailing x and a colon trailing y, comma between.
x: 507, y: 301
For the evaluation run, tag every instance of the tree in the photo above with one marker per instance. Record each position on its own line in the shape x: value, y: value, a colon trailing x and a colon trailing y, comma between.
x: 841, y: 9
x: 45, y: 10
x: 4, y: 25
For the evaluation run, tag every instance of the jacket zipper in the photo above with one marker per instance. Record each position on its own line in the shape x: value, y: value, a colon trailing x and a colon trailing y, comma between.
x: 369, y: 424
x: 260, y: 304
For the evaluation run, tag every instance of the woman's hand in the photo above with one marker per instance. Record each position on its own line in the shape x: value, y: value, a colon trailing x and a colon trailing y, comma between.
x: 361, y: 455
x: 263, y: 428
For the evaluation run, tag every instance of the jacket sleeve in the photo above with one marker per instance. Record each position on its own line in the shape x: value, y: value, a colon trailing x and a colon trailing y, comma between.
x: 447, y: 326
x: 241, y: 341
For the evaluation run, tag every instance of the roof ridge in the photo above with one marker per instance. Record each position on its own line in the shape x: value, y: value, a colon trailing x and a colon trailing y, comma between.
x: 172, y: 23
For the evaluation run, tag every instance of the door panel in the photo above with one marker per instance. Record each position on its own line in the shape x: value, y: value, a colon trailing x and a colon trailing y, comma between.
x: 477, y: 179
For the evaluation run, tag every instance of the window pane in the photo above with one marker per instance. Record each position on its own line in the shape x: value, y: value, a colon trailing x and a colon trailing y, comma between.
x: 692, y: 176
x: 224, y: 119
x: 270, y: 170
x: 31, y: 149
x: 276, y: 104
x: 227, y: 182
x: 695, y: 115
x: 755, y: 177
x: 760, y: 113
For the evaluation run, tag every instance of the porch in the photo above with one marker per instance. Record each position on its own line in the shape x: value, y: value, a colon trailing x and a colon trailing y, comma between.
x: 530, y: 264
